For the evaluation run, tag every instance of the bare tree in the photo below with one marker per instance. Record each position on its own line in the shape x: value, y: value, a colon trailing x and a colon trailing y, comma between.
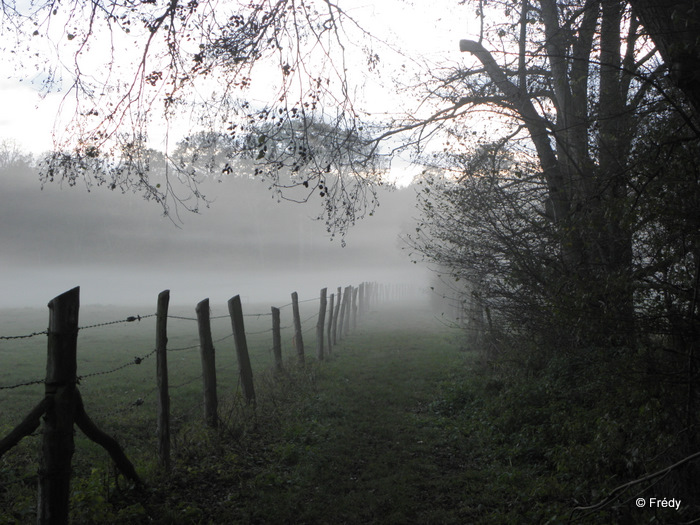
x: 674, y: 27
x: 139, y: 75
x: 572, y: 83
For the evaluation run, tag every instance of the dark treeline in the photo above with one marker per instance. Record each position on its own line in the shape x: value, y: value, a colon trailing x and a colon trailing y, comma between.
x: 574, y: 249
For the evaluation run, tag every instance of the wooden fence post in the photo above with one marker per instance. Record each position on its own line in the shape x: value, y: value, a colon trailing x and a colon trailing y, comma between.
x: 346, y: 305
x: 298, y: 340
x: 341, y: 314
x: 330, y: 324
x: 354, y: 308
x: 321, y: 324
x: 335, y: 316
x: 208, y: 356
x: 244, y: 369
x: 163, y: 425
x: 60, y: 389
x: 361, y: 299
x: 276, y: 339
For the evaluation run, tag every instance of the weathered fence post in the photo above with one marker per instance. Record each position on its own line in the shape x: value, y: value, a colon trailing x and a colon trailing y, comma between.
x: 335, y: 317
x: 208, y: 356
x: 341, y: 314
x: 346, y: 306
x: 320, y: 325
x: 330, y: 324
x: 298, y: 340
x: 276, y: 339
x: 163, y: 425
x: 361, y: 299
x: 244, y: 369
x: 354, y: 308
x: 57, y: 442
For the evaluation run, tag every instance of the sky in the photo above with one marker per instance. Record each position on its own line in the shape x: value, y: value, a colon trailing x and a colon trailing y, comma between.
x: 121, y: 250
x: 419, y: 29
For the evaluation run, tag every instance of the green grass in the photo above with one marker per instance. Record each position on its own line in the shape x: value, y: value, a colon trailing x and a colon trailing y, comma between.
x: 399, y: 425
x: 346, y: 440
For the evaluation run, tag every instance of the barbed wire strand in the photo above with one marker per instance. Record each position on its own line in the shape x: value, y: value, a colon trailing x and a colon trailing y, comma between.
x: 26, y: 336
x: 26, y: 383
x: 129, y: 319
x: 136, y: 361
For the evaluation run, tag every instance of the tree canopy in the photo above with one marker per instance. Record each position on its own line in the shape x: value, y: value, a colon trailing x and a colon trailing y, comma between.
x: 143, y: 75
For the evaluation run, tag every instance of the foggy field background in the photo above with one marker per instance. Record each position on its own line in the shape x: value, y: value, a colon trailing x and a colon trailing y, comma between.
x: 121, y: 250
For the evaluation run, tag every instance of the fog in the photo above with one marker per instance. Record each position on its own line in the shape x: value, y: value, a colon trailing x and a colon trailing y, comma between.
x: 121, y: 250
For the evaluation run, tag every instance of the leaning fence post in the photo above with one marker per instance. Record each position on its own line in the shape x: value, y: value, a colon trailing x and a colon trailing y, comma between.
x: 276, y: 338
x: 163, y: 425
x: 57, y: 442
x: 298, y: 340
x: 330, y: 323
x: 321, y: 324
x: 208, y: 356
x: 348, y: 299
x: 244, y: 369
x: 335, y: 316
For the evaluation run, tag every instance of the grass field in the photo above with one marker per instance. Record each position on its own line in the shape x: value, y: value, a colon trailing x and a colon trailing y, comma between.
x: 399, y: 425
x: 335, y: 430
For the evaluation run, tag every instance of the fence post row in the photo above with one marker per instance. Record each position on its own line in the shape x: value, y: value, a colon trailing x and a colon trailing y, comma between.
x: 163, y: 410
x: 63, y: 407
x: 208, y: 356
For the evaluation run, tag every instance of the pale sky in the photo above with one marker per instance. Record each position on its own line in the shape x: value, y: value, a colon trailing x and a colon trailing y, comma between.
x: 431, y: 30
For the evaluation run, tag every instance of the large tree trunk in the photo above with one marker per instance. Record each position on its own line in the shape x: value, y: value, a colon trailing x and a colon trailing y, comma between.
x: 674, y: 27
x: 584, y: 172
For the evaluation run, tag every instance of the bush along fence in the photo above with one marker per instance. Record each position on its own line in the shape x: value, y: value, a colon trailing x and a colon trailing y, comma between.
x: 62, y: 406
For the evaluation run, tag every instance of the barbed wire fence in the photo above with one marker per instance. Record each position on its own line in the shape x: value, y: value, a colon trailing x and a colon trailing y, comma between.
x: 182, y: 367
x: 353, y: 301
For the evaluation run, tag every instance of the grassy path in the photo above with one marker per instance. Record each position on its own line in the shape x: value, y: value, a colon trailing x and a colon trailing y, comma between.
x: 356, y: 439
x: 366, y: 447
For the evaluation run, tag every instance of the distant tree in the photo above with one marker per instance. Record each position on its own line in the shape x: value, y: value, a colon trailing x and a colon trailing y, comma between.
x: 11, y: 154
x: 129, y: 68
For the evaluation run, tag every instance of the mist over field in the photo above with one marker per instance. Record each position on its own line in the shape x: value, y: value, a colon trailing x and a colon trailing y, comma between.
x: 120, y: 249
